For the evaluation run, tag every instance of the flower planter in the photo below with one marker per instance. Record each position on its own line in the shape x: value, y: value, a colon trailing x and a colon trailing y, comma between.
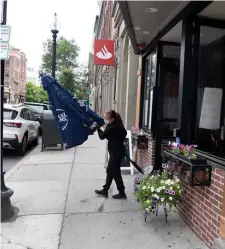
x: 197, y: 161
x: 195, y: 172
x: 141, y: 141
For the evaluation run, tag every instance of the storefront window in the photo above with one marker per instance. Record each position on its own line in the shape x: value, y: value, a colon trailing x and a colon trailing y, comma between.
x: 171, y: 65
x: 210, y: 133
x: 148, y: 90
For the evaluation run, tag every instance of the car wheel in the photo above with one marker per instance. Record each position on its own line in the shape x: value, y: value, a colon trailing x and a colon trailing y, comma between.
x: 23, y: 146
x: 36, y: 140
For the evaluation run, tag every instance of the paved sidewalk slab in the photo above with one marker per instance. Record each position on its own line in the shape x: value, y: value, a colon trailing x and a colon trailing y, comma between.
x: 35, y: 197
x: 89, y: 171
x: 32, y: 232
x: 42, y: 172
x: 126, y: 230
x: 42, y: 158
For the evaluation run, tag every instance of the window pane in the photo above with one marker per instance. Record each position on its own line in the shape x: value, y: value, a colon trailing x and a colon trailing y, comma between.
x: 171, y: 65
x: 9, y: 114
x: 146, y: 92
x: 150, y: 110
x: 150, y: 83
x: 37, y: 109
x: 211, y: 87
x: 153, y: 70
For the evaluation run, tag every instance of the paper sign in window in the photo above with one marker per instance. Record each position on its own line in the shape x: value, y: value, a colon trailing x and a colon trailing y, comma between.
x: 211, y: 108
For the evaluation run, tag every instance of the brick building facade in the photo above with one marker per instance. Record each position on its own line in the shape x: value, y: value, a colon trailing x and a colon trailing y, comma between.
x: 15, y: 77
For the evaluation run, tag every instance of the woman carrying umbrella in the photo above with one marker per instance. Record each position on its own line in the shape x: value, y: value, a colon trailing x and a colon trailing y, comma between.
x: 115, y: 133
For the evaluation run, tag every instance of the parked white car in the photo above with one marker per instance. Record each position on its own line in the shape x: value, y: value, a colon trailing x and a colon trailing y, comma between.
x: 19, y: 128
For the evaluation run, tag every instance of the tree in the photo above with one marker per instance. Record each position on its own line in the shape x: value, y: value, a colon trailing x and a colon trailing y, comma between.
x: 75, y: 81
x: 66, y: 55
x: 67, y: 79
x: 35, y: 93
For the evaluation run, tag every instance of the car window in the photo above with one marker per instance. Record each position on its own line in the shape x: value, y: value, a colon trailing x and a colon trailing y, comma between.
x: 37, y: 109
x: 9, y: 114
x: 24, y: 114
x: 30, y: 115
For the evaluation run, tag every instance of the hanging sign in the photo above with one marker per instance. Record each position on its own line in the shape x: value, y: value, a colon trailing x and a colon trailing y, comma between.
x: 5, y: 33
x: 4, y: 50
x: 211, y: 108
x: 104, y: 52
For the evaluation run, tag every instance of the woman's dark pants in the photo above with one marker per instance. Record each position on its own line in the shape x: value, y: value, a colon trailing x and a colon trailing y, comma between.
x: 113, y: 172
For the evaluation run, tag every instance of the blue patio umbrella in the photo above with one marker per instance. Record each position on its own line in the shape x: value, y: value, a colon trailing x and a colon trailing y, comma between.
x: 73, y: 118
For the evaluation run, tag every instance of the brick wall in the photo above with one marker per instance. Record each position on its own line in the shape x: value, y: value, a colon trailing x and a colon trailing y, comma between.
x: 146, y: 157
x: 202, y: 206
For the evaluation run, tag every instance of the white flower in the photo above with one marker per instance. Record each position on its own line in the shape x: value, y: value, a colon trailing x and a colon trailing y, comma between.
x: 147, y: 209
x: 158, y: 190
x: 162, y: 199
x: 172, y: 182
x: 177, y: 180
x: 148, y: 187
x: 163, y: 187
x: 156, y: 196
x: 148, y: 201
x: 171, y: 188
x: 152, y: 189
x: 178, y: 186
x: 144, y: 187
x: 162, y: 181
x: 167, y: 181
x: 170, y: 198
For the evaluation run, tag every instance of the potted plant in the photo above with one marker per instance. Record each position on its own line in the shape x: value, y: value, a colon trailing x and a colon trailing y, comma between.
x: 155, y: 190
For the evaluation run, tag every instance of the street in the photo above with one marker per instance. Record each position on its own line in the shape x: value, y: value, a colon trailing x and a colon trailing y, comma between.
x: 10, y: 158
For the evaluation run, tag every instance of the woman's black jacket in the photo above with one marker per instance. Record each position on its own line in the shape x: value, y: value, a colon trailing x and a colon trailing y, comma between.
x: 115, y: 133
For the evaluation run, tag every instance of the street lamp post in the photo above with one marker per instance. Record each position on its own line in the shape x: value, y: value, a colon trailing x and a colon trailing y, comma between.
x: 55, y: 31
x: 7, y: 209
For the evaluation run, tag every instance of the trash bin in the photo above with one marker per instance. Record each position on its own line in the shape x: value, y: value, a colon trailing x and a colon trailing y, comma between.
x: 50, y: 133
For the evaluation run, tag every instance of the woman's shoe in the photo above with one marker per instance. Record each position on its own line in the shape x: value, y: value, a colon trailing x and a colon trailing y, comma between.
x: 102, y: 193
x: 120, y: 196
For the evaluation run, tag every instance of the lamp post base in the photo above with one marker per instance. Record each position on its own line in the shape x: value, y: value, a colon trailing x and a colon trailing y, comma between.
x: 7, y: 210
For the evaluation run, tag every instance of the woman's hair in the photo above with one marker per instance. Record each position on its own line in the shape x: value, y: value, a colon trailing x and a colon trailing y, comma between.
x: 115, y: 115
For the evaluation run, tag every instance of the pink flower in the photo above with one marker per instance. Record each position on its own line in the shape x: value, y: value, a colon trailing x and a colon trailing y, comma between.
x: 181, y: 147
x: 191, y: 147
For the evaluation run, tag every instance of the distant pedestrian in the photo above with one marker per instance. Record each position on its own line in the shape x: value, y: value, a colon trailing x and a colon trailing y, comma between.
x: 115, y: 133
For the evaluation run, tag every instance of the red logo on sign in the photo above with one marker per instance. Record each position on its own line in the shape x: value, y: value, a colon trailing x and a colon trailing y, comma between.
x: 104, y: 52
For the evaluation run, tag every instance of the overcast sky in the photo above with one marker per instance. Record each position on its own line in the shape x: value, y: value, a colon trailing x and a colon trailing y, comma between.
x: 31, y: 21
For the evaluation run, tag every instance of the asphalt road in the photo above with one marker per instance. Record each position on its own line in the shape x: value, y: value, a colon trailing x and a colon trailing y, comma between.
x: 10, y: 159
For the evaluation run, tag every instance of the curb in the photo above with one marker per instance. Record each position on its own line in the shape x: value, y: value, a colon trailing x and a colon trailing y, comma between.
x: 13, y: 170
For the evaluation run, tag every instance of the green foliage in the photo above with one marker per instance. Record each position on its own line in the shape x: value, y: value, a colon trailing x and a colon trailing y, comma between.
x: 75, y: 81
x: 35, y: 93
x: 67, y: 79
x: 72, y: 76
x: 157, y: 190
x: 66, y: 55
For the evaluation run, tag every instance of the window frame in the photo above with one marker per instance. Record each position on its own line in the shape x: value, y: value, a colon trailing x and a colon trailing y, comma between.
x: 149, y: 128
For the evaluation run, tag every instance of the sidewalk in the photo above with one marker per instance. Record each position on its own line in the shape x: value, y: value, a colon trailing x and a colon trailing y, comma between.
x: 54, y: 192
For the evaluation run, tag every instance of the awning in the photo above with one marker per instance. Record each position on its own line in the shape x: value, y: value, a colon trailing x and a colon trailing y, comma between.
x: 149, y: 21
